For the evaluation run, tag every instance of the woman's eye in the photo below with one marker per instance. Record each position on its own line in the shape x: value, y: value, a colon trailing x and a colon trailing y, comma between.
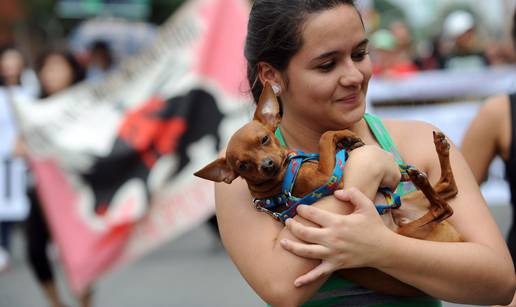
x: 327, y: 66
x: 265, y: 140
x: 359, y: 55
x: 242, y: 167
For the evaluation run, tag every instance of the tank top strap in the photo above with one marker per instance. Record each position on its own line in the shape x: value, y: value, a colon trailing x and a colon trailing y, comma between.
x: 382, y: 135
x: 279, y: 135
x: 384, y: 139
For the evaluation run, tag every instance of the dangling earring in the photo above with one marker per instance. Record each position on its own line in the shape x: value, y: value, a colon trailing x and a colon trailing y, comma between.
x: 276, y: 88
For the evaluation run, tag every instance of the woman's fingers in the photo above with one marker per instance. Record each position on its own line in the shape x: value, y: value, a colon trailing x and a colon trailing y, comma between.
x: 316, y: 215
x: 305, y: 233
x: 357, y: 198
x: 323, y: 269
x: 313, y: 251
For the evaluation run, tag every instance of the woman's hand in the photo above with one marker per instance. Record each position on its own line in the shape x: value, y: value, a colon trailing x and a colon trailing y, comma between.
x: 342, y: 241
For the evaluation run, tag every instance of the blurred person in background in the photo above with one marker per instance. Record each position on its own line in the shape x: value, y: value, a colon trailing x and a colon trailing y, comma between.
x: 463, y: 49
x: 56, y: 71
x: 101, y: 60
x: 14, y: 71
x: 429, y: 55
x: 493, y: 133
x: 15, y: 80
x: 401, y: 31
x: 500, y: 53
x: 389, y: 58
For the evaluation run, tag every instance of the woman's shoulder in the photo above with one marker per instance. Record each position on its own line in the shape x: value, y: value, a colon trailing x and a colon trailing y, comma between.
x: 414, y: 140
x: 409, y: 130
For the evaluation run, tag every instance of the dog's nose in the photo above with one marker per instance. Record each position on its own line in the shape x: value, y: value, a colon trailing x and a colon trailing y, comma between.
x: 268, y: 166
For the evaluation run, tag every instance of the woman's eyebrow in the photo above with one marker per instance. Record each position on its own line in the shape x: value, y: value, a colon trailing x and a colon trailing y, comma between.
x: 325, y: 55
x: 362, y: 43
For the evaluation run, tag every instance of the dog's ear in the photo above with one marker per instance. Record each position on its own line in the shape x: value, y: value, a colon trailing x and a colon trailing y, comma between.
x: 218, y: 171
x: 268, y: 108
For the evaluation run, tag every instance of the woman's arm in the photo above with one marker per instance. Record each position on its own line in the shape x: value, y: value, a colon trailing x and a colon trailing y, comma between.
x: 252, y: 239
x: 478, y: 271
x: 487, y: 135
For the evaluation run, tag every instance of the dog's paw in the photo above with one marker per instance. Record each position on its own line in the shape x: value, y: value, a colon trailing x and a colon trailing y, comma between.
x: 419, y: 178
x: 349, y: 143
x: 441, y: 144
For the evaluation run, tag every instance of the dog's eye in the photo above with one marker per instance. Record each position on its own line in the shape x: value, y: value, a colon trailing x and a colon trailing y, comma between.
x: 243, y: 166
x: 265, y: 140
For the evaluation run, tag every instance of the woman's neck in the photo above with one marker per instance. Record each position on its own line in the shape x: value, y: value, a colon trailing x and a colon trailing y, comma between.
x: 304, y: 137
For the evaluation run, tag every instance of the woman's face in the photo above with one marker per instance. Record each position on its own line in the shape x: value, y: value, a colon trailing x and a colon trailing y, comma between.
x: 56, y: 74
x: 11, y: 66
x: 328, y: 76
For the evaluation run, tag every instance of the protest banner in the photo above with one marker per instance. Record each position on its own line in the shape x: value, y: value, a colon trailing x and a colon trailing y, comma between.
x: 114, y: 160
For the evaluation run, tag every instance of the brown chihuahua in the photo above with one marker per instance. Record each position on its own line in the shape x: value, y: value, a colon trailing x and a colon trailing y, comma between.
x: 256, y: 155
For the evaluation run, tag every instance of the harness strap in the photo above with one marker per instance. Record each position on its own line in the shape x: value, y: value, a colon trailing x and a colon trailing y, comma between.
x: 296, y: 158
x: 285, y: 198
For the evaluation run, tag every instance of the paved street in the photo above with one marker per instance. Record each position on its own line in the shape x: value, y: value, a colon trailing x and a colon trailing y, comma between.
x: 190, y: 271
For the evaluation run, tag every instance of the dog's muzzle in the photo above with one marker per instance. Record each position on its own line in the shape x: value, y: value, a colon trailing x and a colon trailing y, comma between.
x: 268, y: 167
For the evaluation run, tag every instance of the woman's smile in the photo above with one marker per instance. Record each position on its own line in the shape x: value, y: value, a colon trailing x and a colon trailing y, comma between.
x: 350, y: 100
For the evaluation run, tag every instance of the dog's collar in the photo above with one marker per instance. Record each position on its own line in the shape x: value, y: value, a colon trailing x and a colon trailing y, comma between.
x: 286, y: 199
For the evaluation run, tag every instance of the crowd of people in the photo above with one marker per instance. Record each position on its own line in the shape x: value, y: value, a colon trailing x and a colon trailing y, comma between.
x: 458, y: 47
x: 393, y: 55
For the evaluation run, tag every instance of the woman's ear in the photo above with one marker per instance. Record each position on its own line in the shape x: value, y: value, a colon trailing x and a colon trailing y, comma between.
x: 267, y: 73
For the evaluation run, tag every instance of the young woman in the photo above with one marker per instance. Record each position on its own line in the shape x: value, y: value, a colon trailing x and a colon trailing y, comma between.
x: 316, y: 52
x: 56, y: 71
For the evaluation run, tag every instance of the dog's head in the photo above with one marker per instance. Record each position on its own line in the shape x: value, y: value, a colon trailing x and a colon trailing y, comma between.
x: 253, y: 152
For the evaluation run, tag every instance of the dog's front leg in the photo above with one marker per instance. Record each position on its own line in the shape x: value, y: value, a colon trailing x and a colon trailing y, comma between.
x: 330, y: 142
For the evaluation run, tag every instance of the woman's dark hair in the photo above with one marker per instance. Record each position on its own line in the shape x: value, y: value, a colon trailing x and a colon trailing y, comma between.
x: 102, y: 49
x: 274, y: 33
x: 77, y: 70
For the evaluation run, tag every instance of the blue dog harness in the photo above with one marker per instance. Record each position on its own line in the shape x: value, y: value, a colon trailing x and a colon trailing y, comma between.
x: 290, y: 202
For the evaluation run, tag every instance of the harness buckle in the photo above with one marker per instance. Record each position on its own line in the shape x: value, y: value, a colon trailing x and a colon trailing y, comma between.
x: 257, y: 206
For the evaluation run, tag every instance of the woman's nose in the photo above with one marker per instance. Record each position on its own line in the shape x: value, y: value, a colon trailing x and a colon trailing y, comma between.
x: 351, y: 76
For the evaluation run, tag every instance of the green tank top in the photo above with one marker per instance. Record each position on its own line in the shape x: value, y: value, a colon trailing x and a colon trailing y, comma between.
x: 340, y: 292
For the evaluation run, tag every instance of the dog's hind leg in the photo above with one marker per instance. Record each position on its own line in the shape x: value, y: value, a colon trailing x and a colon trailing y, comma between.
x: 446, y: 186
x: 438, y: 211
x: 439, y: 208
x: 330, y: 143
